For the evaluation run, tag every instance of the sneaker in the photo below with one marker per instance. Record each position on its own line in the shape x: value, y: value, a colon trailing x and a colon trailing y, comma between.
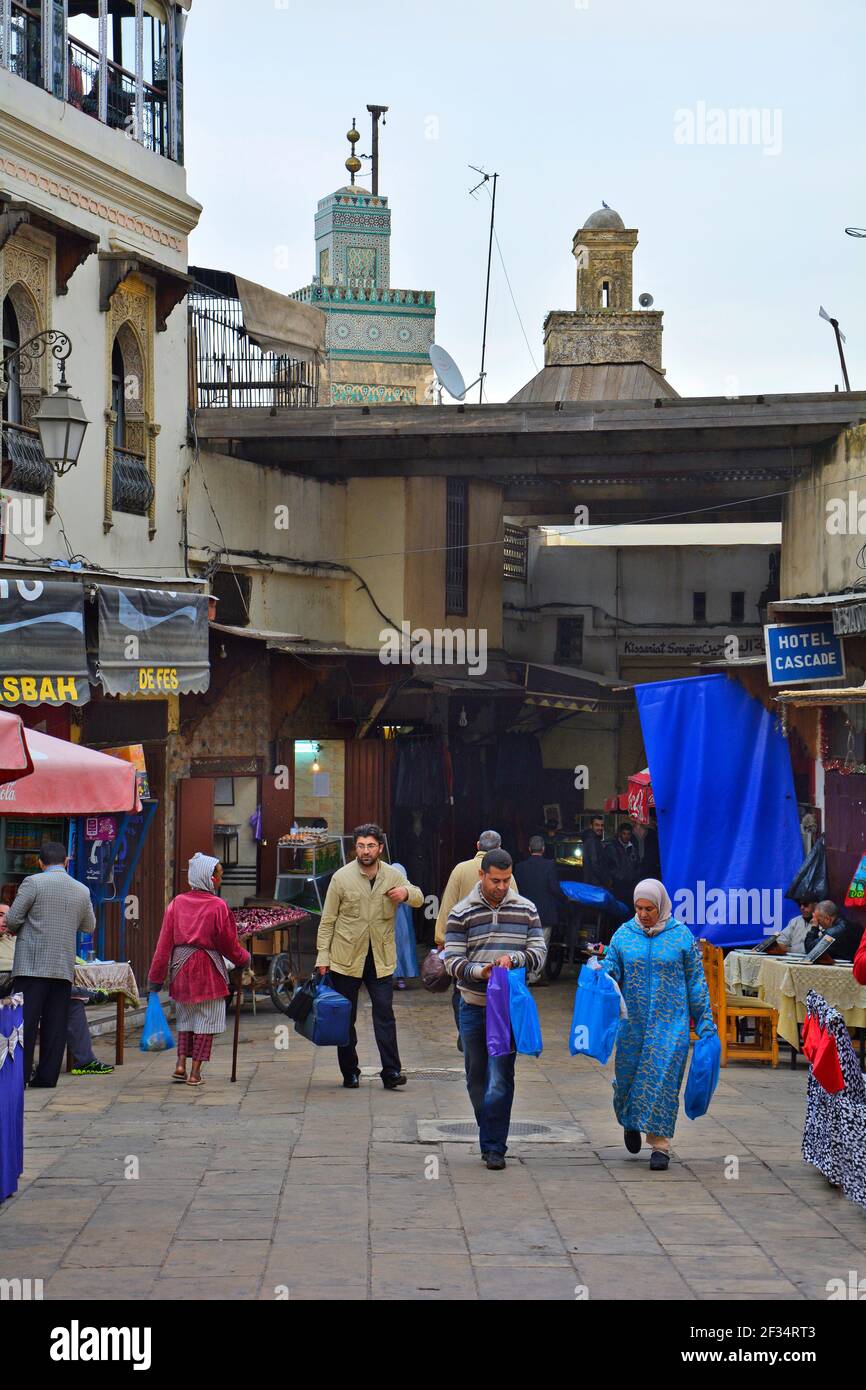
x: 92, y: 1069
x: 495, y: 1161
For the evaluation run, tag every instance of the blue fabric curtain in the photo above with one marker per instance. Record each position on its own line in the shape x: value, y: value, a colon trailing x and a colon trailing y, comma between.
x: 727, y: 814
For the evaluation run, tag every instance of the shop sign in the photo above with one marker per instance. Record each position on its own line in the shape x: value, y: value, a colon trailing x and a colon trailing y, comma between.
x: 43, y: 659
x: 152, y: 642
x: 850, y: 619
x: 100, y: 827
x: 802, y: 653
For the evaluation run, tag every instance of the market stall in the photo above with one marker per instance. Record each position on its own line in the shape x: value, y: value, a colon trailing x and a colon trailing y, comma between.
x: 271, y: 934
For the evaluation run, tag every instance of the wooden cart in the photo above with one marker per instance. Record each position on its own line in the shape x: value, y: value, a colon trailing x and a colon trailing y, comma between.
x: 276, y: 953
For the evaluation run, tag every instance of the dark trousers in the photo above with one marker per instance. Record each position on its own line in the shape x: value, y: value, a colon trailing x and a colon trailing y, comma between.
x: 78, y: 1034
x: 489, y: 1080
x: 455, y: 1004
x: 46, y: 1003
x: 381, y: 994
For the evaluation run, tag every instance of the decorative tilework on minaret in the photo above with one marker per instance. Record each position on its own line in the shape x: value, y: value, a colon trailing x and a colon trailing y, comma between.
x: 383, y: 333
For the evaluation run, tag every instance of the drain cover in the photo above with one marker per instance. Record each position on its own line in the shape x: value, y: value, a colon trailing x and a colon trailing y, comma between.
x: 425, y: 1073
x: 529, y: 1131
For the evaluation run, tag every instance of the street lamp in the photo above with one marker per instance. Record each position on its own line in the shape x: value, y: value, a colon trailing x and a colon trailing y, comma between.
x: 60, y: 419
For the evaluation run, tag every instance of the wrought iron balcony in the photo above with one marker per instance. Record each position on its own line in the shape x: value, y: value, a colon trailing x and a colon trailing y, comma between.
x: 131, y: 486
x: 227, y: 368
x: 25, y: 468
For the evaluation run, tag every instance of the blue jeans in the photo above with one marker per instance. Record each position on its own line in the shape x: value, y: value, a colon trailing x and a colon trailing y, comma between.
x: 489, y: 1080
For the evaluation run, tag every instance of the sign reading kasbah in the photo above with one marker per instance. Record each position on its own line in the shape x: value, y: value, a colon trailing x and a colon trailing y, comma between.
x: 39, y: 690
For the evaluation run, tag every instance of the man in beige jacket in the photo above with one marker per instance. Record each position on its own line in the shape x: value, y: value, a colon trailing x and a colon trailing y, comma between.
x: 461, y: 881
x: 356, y: 943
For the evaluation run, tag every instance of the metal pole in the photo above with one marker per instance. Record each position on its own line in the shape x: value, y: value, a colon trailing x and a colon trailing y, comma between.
x: 835, y: 323
x: 494, y: 177
x: 376, y: 112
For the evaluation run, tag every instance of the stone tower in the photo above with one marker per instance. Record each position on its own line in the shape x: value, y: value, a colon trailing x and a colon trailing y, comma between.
x: 605, y: 327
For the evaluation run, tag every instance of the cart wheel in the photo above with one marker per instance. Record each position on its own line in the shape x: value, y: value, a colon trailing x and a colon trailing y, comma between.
x: 281, y: 982
x: 555, y: 960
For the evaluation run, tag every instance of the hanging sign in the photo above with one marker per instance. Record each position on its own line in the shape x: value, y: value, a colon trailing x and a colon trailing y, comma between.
x: 43, y: 660
x: 802, y: 653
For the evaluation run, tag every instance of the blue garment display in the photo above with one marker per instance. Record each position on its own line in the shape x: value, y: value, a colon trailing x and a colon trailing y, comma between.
x: 588, y: 895
x: 11, y: 1097
x: 663, y: 984
x: 728, y: 825
x: 404, y: 938
x: 703, y: 1076
x: 595, y: 1021
x: 524, y: 1015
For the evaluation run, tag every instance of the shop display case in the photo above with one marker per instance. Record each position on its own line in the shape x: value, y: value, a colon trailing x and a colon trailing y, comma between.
x: 304, y: 869
x: 20, y: 841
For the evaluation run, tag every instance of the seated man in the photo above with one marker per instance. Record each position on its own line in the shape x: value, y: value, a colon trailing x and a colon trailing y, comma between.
x: 842, y: 937
x: 84, y: 1062
x: 793, y: 935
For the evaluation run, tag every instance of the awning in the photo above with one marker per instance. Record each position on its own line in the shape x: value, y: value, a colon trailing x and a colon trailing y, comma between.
x: 15, y: 759
x: 43, y: 660
x: 829, y: 695
x: 810, y: 602
x: 152, y: 642
x: 567, y: 688
x: 68, y: 780
x: 280, y: 324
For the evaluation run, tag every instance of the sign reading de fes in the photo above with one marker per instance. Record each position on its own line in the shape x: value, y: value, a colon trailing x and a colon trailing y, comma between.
x: 801, y: 653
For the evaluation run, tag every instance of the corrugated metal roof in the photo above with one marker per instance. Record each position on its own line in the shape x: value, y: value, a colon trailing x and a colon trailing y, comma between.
x: 792, y: 605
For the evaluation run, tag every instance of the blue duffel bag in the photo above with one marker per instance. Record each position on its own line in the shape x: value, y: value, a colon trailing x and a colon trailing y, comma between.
x: 329, y: 1021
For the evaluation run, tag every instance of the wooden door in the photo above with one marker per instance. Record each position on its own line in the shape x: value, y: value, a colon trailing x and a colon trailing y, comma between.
x: 193, y: 825
x: 368, y: 783
x: 278, y: 812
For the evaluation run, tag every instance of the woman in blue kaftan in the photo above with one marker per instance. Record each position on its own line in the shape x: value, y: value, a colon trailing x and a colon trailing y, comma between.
x: 656, y: 963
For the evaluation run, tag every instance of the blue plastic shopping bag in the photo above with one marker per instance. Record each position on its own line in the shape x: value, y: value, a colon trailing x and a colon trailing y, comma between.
x: 498, y: 1013
x: 328, y: 1023
x: 156, y: 1035
x: 703, y: 1076
x: 595, y: 1021
x: 524, y: 1015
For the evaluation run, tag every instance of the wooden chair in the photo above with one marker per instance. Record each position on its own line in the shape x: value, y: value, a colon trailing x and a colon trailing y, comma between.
x: 728, y: 1008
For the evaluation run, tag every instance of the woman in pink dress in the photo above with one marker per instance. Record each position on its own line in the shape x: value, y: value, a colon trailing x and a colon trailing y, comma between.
x: 198, y: 935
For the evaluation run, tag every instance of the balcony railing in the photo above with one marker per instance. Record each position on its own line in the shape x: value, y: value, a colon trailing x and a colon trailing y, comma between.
x: 227, y: 368
x: 25, y: 52
x: 355, y: 293
x: 24, y: 468
x: 131, y: 486
x: 83, y: 89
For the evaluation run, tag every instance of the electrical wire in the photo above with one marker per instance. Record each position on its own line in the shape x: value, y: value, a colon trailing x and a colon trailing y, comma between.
x: 511, y: 291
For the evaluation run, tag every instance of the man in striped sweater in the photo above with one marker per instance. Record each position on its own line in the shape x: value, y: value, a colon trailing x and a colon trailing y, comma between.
x: 493, y: 925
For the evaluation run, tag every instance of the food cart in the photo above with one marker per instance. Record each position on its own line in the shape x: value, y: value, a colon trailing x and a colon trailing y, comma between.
x: 271, y: 934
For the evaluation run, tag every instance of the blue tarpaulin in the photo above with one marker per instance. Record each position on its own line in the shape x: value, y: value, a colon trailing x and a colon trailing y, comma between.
x: 588, y: 895
x: 728, y: 826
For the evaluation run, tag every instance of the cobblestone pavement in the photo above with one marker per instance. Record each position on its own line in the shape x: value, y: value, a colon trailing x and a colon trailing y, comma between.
x: 286, y: 1184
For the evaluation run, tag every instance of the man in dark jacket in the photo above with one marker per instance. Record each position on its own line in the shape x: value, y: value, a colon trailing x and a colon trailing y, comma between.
x: 620, y: 863
x: 593, y: 853
x: 842, y: 937
x: 536, y: 880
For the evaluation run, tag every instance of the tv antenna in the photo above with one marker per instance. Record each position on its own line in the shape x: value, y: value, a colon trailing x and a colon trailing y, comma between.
x: 840, y: 339
x: 485, y: 178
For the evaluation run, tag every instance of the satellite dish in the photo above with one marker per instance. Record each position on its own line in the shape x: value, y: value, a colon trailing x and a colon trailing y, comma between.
x: 645, y: 300
x: 447, y: 371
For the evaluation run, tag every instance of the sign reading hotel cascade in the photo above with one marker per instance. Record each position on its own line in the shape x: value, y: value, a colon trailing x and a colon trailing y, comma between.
x: 800, y: 653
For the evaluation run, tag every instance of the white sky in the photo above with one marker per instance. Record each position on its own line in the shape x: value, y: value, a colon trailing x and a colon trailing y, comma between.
x: 572, y: 102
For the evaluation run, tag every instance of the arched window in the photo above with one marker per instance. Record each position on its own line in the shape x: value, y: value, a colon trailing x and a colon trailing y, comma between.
x: 118, y: 399
x: 11, y: 341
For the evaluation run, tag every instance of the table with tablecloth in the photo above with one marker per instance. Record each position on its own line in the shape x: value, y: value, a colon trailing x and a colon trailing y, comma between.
x: 115, y: 978
x: 784, y: 984
x: 11, y: 1093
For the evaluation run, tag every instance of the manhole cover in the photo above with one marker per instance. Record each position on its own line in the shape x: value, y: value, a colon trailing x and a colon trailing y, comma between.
x: 528, y: 1131
x: 424, y: 1073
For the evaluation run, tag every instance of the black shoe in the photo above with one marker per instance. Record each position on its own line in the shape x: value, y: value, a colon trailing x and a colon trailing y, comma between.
x: 633, y: 1141
x: 459, y: 1043
x: 484, y: 1155
x: 495, y: 1161
x: 352, y: 1083
x: 659, y: 1161
x: 393, y: 1081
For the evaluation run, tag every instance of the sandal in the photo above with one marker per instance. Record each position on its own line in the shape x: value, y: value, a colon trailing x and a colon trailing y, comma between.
x: 195, y: 1081
x: 178, y: 1076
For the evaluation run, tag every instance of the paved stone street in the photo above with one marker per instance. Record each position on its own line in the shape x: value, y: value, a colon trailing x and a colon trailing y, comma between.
x: 286, y: 1183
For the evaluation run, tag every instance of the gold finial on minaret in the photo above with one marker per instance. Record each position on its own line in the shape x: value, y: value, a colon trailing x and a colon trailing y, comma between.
x: 353, y: 163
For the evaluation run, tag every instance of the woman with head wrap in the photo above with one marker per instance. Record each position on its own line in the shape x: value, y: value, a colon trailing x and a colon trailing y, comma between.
x: 656, y: 963
x: 198, y: 935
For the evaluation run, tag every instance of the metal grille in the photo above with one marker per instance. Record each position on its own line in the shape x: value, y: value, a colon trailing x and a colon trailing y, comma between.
x: 424, y: 1073
x: 131, y: 487
x: 24, y: 466
x: 469, y: 1130
x: 230, y: 370
x: 25, y: 53
x: 515, y: 549
x: 456, y: 537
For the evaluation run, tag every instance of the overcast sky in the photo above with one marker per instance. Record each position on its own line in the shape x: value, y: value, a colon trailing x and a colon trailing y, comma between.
x: 572, y: 102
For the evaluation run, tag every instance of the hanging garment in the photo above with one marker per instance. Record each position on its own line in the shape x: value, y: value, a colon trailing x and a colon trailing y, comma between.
x: 11, y: 1094
x: 834, y: 1135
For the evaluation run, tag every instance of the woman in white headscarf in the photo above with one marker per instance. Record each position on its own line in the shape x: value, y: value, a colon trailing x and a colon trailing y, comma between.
x: 656, y: 962
x: 198, y: 932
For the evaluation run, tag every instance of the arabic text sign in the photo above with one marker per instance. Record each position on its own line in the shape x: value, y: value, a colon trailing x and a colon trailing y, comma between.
x: 802, y: 653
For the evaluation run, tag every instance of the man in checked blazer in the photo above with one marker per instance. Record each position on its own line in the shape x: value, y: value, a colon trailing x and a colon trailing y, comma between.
x: 48, y: 910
